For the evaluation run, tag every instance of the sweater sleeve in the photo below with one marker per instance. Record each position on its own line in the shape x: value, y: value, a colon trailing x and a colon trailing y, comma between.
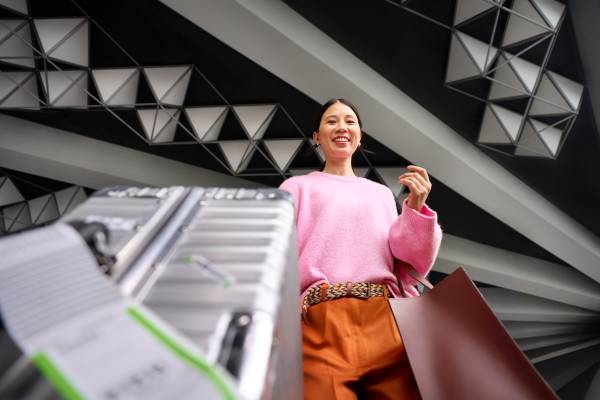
x: 415, y: 237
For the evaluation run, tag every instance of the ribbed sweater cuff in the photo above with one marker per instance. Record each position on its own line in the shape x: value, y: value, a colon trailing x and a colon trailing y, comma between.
x: 424, y: 212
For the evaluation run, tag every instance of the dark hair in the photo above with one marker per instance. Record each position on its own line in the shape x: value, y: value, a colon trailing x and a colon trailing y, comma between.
x: 331, y: 102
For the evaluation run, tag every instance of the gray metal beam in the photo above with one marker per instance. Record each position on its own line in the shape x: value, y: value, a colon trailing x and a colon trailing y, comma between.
x: 44, y: 151
x: 522, y: 330
x: 545, y: 341
x: 558, y: 351
x: 514, y: 306
x: 281, y: 41
x: 517, y: 272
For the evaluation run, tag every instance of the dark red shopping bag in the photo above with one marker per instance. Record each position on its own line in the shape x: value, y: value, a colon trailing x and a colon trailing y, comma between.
x: 459, y: 350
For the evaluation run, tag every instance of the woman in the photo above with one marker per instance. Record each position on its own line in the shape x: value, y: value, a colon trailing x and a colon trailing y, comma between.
x: 349, y: 233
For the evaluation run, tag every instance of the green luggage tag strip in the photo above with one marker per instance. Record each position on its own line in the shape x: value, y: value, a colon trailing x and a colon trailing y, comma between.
x: 183, y: 354
x: 68, y: 391
x: 56, y: 378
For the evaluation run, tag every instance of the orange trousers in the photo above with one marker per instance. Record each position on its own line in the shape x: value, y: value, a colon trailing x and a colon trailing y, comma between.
x: 352, y: 350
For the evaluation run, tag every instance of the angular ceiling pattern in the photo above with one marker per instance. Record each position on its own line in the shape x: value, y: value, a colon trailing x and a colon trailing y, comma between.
x: 19, y: 209
x: 163, y: 98
x: 550, y: 309
x: 552, y: 102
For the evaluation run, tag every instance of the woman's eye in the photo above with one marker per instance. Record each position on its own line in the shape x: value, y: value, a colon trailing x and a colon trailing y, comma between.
x: 350, y: 121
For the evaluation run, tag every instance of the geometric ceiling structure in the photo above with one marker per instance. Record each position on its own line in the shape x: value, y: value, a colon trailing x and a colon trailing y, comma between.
x: 117, y: 87
x: 8, y: 192
x: 500, y: 125
x: 255, y: 118
x: 164, y: 98
x: 282, y: 151
x: 539, y: 139
x: 65, y: 88
x: 181, y: 96
x: 546, y: 94
x: 206, y: 122
x: 18, y: 89
x: 237, y: 153
x: 64, y: 40
x: 15, y: 35
x: 159, y: 123
x: 514, y: 77
x: 25, y: 204
x: 18, y: 6
x: 169, y: 84
x: 469, y: 58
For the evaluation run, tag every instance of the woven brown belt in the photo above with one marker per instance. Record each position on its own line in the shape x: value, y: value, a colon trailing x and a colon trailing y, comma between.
x: 324, y: 292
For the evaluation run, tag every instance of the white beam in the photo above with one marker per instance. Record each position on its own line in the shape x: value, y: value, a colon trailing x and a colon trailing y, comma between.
x: 557, y: 351
x: 517, y: 272
x: 545, y: 341
x: 281, y: 41
x: 44, y: 151
x: 509, y: 305
x: 521, y: 330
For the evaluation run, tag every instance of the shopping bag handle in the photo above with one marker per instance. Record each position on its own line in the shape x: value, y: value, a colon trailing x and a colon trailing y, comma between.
x: 415, y: 275
x: 412, y: 272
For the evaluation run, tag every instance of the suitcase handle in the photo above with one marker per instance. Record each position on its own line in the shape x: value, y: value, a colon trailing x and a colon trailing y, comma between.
x: 97, y: 236
x: 231, y: 355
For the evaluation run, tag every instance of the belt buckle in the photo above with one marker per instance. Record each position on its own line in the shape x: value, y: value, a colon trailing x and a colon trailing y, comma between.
x: 368, y: 289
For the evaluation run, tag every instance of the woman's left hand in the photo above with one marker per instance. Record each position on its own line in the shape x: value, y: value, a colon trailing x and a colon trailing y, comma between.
x: 417, y: 181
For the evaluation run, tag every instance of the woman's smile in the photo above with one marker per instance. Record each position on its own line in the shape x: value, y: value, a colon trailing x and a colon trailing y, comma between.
x: 340, y: 127
x: 341, y: 140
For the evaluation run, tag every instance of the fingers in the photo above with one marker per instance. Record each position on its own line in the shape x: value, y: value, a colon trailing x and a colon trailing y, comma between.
x: 420, y: 174
x: 419, y: 170
x: 415, y: 185
x: 419, y: 178
x: 417, y: 181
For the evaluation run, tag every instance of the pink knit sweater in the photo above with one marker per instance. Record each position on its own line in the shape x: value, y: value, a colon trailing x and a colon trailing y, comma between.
x: 348, y: 230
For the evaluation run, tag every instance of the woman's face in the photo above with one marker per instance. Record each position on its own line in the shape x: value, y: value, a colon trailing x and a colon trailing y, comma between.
x: 339, y: 132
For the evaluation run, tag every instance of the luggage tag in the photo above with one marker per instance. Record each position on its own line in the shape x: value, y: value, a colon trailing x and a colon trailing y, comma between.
x: 86, y: 338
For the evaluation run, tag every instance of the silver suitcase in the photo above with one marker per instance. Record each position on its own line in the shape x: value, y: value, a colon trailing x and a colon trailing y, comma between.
x: 219, y: 265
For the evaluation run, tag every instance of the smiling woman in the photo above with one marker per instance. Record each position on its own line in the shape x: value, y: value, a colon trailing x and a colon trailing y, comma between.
x: 338, y: 133
x: 349, y: 234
